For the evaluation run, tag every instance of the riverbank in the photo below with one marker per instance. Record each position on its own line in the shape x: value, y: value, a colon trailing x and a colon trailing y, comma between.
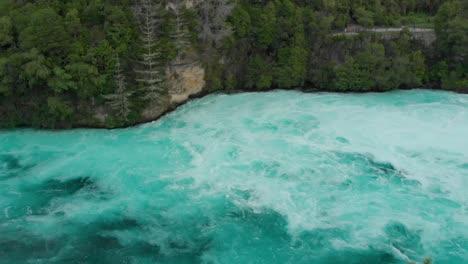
x: 204, y: 93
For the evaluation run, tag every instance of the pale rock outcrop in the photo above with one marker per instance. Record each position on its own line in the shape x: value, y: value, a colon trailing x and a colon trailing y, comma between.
x: 184, y: 81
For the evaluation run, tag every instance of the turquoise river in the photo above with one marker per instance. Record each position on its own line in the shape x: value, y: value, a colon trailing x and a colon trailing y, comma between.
x: 276, y: 177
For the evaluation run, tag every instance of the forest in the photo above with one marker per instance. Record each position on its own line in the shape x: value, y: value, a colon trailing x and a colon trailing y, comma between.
x: 62, y: 63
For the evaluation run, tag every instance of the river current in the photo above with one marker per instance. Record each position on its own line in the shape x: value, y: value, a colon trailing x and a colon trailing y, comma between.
x: 277, y: 177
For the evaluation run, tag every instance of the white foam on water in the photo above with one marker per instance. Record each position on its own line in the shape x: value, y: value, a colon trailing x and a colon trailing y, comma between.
x: 342, y: 172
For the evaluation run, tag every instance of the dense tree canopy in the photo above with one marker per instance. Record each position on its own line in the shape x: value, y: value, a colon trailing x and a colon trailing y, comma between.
x: 61, y: 61
x: 55, y: 53
x: 451, y: 25
x: 287, y: 44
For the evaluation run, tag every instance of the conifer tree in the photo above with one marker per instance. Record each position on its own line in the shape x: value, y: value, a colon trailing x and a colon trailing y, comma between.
x: 180, y: 34
x: 150, y: 73
x: 120, y: 100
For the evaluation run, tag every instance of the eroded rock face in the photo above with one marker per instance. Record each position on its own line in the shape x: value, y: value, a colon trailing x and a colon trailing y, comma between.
x: 101, y: 114
x: 184, y: 81
x: 155, y: 110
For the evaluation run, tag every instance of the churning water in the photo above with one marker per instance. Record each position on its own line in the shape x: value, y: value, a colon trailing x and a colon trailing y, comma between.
x: 278, y: 177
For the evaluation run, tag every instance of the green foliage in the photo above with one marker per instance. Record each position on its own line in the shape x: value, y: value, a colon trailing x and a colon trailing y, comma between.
x: 275, y: 34
x: 264, y: 25
x: 350, y: 77
x: 240, y: 20
x: 419, y: 20
x: 45, y: 32
x: 61, y: 80
x: 287, y: 44
x: 36, y: 70
x: 364, y: 71
x: 259, y: 73
x: 451, y: 25
x: 6, y: 31
x: 364, y: 17
x: 86, y: 78
x: 60, y: 54
x: 372, y: 69
x: 290, y: 70
x: 58, y: 57
x: 58, y: 109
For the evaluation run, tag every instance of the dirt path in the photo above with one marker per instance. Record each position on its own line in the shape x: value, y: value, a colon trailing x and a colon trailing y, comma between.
x: 356, y: 31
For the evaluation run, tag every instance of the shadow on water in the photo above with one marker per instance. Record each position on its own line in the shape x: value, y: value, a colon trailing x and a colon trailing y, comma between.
x: 265, y: 221
x: 406, y: 240
x: 26, y: 247
x: 92, y: 243
x: 99, y: 248
x: 370, y: 256
x: 36, y: 200
x: 11, y: 166
x: 319, y: 244
x: 98, y: 241
x: 9, y: 162
x: 319, y: 239
x: 58, y: 188
x: 101, y: 241
x: 373, y: 169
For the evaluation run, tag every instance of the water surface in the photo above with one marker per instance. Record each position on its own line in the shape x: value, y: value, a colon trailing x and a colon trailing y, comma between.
x: 278, y: 177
